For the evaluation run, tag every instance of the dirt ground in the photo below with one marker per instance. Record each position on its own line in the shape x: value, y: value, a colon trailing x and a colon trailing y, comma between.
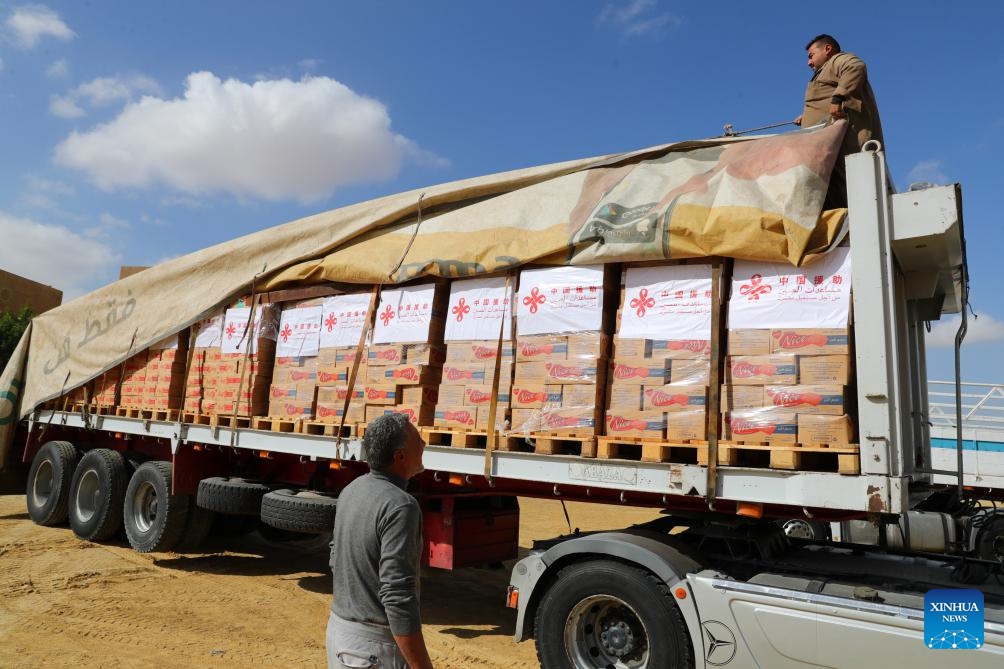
x: 242, y: 602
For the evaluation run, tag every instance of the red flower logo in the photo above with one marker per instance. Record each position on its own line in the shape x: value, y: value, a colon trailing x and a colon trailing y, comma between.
x: 330, y: 321
x: 286, y: 333
x: 387, y: 315
x: 642, y: 303
x: 461, y: 309
x: 755, y: 288
x: 534, y: 300
x: 231, y: 330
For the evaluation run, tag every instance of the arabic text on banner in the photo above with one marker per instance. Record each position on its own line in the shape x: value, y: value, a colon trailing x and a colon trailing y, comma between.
x: 299, y: 332
x: 559, y: 299
x: 404, y: 315
x: 671, y: 302
x: 342, y: 319
x: 476, y: 310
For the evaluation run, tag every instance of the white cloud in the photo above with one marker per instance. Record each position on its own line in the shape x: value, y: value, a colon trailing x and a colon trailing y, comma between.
x: 273, y: 140
x: 28, y: 24
x: 927, y: 171
x: 637, y: 18
x: 42, y: 194
x: 58, y: 70
x: 54, y: 255
x: 978, y: 330
x: 101, y: 92
x: 107, y: 225
x: 309, y: 64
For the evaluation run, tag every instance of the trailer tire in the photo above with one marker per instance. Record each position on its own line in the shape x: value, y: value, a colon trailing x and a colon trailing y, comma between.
x: 232, y: 496
x: 95, y: 505
x: 303, y: 511
x: 49, y: 481
x: 604, y: 613
x: 154, y: 518
x: 197, y: 528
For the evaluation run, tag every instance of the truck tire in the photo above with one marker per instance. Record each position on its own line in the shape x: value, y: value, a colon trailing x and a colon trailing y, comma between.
x: 233, y: 496
x: 154, y: 518
x: 49, y: 481
x: 96, y: 494
x: 802, y: 528
x: 197, y: 528
x: 990, y: 542
x: 603, y: 613
x: 299, y: 511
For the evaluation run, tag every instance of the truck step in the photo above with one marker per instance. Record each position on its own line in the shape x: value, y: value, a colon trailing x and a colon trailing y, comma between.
x: 688, y: 452
x: 842, y: 459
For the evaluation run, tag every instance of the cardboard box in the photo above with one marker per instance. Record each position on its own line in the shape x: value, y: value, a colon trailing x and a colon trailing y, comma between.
x: 333, y: 413
x: 680, y: 349
x: 760, y: 370
x: 829, y: 400
x: 451, y: 395
x: 634, y: 423
x: 481, y: 395
x: 419, y: 395
x: 589, y: 345
x: 335, y: 395
x: 501, y: 421
x: 574, y: 371
x: 690, y: 371
x: 424, y: 354
x: 333, y: 374
x: 819, y: 370
x: 457, y: 352
x: 563, y: 420
x: 465, y: 373
x: 625, y: 396
x: 290, y: 410
x: 820, y: 429
x: 487, y: 351
x: 285, y: 376
x: 582, y: 395
x: 541, y: 347
x: 741, y: 397
x: 675, y: 397
x: 384, y: 355
x: 686, y: 425
x: 535, y: 395
x: 810, y: 341
x: 761, y: 425
x: 458, y: 417
x: 634, y: 371
x: 525, y: 421
x: 419, y: 415
x: 381, y: 393
x: 404, y: 375
x: 749, y: 342
x: 631, y: 348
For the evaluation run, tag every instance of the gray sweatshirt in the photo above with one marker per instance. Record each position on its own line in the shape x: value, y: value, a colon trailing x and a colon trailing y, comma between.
x: 376, y: 553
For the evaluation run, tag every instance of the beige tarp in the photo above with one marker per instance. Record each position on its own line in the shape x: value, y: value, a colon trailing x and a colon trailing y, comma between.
x: 742, y: 198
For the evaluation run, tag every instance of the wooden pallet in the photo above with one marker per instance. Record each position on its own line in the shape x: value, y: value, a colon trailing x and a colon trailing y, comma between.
x: 440, y: 436
x: 328, y: 429
x: 169, y: 415
x: 196, y: 418
x: 94, y: 409
x: 269, y: 424
x: 691, y: 451
x: 550, y: 443
x: 229, y: 421
x: 131, y: 412
x: 842, y: 459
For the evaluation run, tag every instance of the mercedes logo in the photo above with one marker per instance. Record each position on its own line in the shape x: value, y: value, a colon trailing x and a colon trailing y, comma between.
x: 719, y: 643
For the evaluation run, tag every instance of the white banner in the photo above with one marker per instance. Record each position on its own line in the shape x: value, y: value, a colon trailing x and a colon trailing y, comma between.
x: 404, y: 315
x: 236, y: 330
x: 768, y: 295
x: 667, y: 303
x: 342, y: 319
x: 476, y: 310
x: 559, y: 299
x: 299, y: 332
x: 210, y: 331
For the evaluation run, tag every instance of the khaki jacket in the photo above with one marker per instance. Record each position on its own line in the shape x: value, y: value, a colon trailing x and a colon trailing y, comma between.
x: 844, y: 74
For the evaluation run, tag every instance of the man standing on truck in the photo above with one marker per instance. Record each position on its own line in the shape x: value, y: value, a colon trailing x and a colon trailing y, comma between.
x: 839, y: 89
x: 375, y: 556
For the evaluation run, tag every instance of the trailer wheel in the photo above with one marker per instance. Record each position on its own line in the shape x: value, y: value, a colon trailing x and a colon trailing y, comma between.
x: 299, y: 511
x: 197, y: 528
x: 154, y: 518
x: 801, y: 528
x: 96, y: 494
x: 990, y: 543
x: 603, y: 614
x: 49, y: 482
x: 233, y: 496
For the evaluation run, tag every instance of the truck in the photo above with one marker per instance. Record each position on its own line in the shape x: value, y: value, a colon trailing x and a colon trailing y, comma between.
x: 742, y: 568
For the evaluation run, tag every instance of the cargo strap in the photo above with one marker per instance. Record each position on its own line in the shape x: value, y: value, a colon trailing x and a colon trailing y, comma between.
x: 714, y: 380
x: 248, y: 345
x: 493, y: 406
x: 356, y: 361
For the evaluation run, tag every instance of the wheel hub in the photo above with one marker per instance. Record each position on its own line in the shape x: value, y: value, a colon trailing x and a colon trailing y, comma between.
x: 604, y: 632
x: 617, y: 638
x: 797, y: 528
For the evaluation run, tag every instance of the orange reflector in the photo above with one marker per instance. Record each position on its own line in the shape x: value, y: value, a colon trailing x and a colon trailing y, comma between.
x: 335, y: 464
x: 456, y: 479
x: 749, y: 509
x: 681, y: 593
x: 512, y: 598
x: 196, y: 447
x: 264, y: 454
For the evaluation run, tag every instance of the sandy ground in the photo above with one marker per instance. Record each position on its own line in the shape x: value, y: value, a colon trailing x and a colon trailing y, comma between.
x: 242, y: 602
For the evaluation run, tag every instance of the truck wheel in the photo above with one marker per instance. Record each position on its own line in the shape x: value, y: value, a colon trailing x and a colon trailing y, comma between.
x: 197, y: 528
x: 96, y: 494
x: 49, y: 482
x: 154, y: 518
x: 990, y: 543
x: 801, y: 528
x: 299, y: 511
x: 607, y: 614
x: 234, y: 496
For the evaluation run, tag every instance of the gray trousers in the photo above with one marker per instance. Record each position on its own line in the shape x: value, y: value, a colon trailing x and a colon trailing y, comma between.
x: 354, y: 645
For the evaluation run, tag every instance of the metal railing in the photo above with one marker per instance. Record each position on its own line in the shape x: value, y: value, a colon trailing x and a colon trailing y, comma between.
x: 982, y: 405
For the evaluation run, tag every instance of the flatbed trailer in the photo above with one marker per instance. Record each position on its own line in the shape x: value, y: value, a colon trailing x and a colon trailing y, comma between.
x: 729, y: 589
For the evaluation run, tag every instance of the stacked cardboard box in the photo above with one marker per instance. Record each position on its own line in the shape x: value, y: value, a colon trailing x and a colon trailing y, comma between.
x: 133, y: 385
x: 787, y: 385
x: 464, y: 397
x: 165, y: 373
x: 659, y: 387
x: 295, y: 372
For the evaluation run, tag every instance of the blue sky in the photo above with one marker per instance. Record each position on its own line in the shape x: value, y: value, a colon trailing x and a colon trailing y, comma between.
x: 118, y: 144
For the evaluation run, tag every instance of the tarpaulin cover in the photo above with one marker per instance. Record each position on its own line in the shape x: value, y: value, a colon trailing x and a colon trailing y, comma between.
x: 752, y: 198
